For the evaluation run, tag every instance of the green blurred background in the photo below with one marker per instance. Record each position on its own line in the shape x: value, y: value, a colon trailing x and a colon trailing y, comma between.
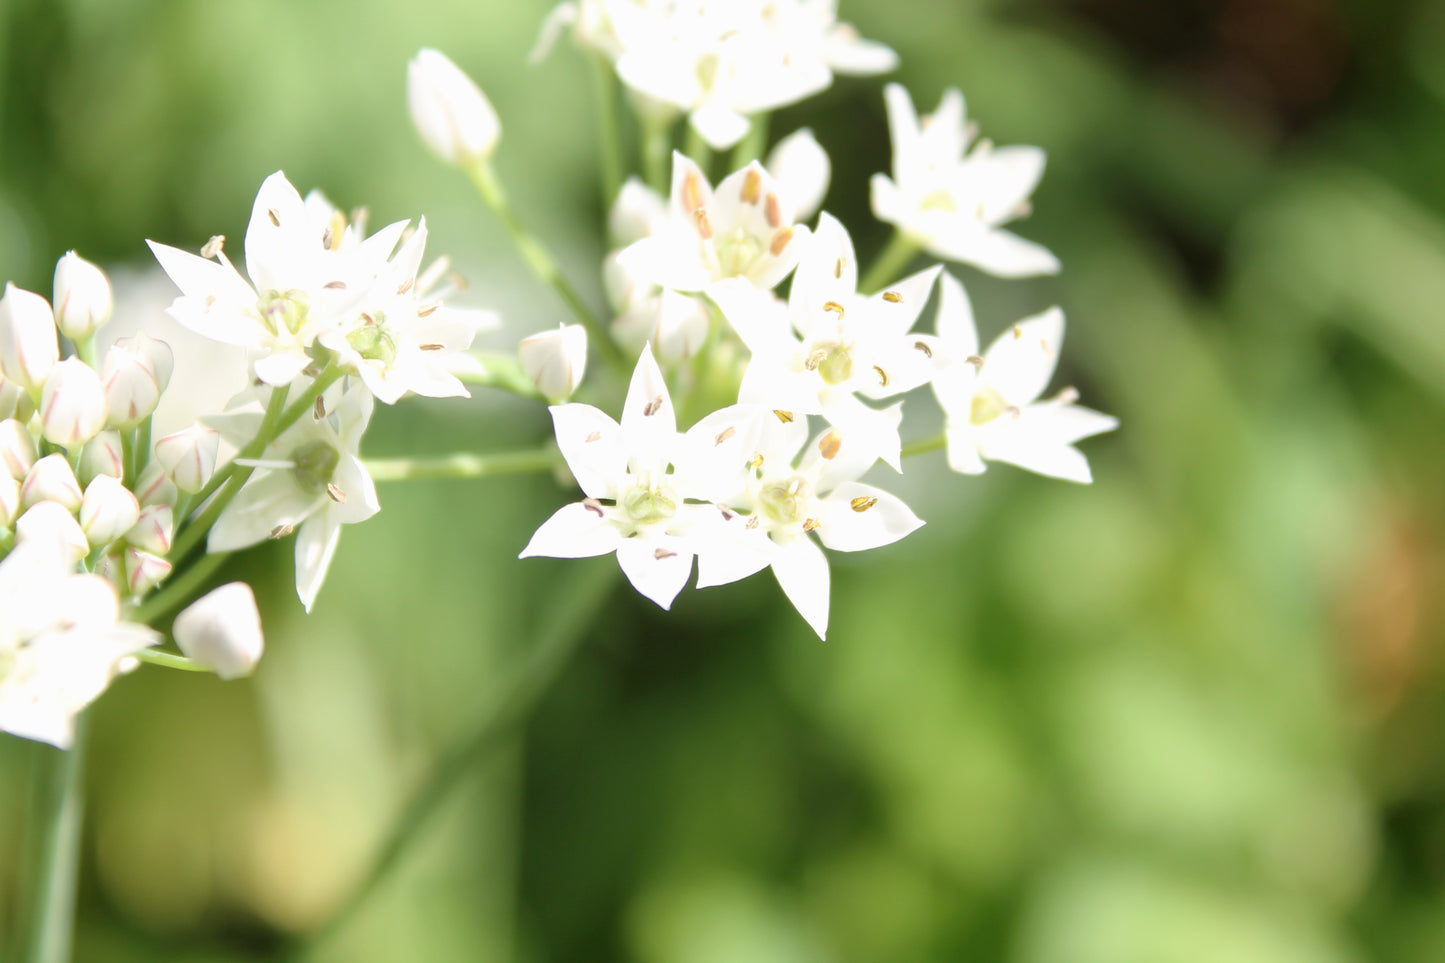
x: 1193, y: 713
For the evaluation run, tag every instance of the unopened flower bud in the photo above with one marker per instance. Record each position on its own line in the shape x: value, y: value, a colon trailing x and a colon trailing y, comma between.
x: 51, y: 480
x: 189, y: 456
x: 52, y: 522
x: 29, y: 343
x: 801, y: 167
x: 638, y: 212
x: 9, y: 502
x: 108, y: 510
x: 221, y: 631
x: 102, y: 455
x: 135, y: 373
x: 144, y: 570
x: 111, y: 567
x: 72, y: 405
x: 83, y: 300
x: 450, y: 112
x: 11, y: 397
x: 555, y: 360
x: 17, y: 449
x: 154, y: 486
x: 152, y: 531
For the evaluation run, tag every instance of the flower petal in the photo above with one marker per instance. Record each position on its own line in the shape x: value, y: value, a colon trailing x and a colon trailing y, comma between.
x: 315, y: 547
x: 857, y: 517
x: 801, y: 569
x: 591, y: 443
x: 657, y: 567
x: 574, y: 531
x: 1021, y: 360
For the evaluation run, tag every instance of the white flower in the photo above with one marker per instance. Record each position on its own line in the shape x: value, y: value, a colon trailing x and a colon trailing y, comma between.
x: 51, y: 480
x: 991, y: 402
x: 221, y: 631
x: 143, y: 570
x: 829, y: 344
x: 9, y: 502
x: 153, y: 529
x: 772, y: 502
x: 743, y: 229
x: 73, y: 406
x: 52, y: 524
x: 952, y: 200
x: 135, y: 374
x: 108, y: 510
x: 450, y: 112
x: 310, y: 479
x: 555, y: 360
x: 803, y: 170
x: 189, y: 456
x: 29, y: 342
x: 307, y: 279
x: 83, y: 299
x: 17, y: 448
x: 60, y: 642
x: 634, y: 505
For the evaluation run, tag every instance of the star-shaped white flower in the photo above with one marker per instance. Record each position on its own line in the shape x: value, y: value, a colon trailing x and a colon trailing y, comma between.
x: 60, y: 641
x: 830, y: 344
x: 308, y: 274
x: 990, y: 402
x: 771, y: 501
x: 310, y: 479
x: 954, y: 200
x: 636, y: 502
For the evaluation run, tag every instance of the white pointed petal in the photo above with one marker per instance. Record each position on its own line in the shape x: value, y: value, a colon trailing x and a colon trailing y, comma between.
x: 803, y: 170
x: 954, y: 322
x: 858, y: 517
x: 903, y: 130
x: 867, y: 430
x: 591, y: 443
x: 898, y: 306
x: 713, y: 455
x: 355, y: 484
x: 198, y: 277
x: 720, y: 126
x: 275, y: 237
x: 264, y: 505
x: 1021, y: 360
x: 888, y: 203
x: 801, y: 569
x: 733, y: 554
x: 574, y: 531
x: 827, y: 272
x: 1046, y: 457
x: 666, y: 260
x: 963, y: 453
x: 315, y: 547
x: 1008, y: 175
x: 1000, y: 253
x: 281, y: 367
x: 758, y: 317
x: 649, y: 424
x: 656, y: 567
x: 849, y: 54
x: 943, y: 135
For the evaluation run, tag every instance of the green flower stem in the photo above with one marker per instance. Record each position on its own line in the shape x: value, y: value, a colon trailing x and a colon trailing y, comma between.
x: 544, y: 267
x: 85, y: 351
x: 586, y: 594
x: 127, y: 456
x: 169, y: 660
x: 751, y: 147
x: 890, y: 264
x: 178, y: 591
x: 464, y: 465
x: 609, y: 130
x: 275, y: 407
x: 60, y: 803
x: 142, y: 451
x: 926, y: 445
x: 504, y: 372
x: 657, y: 154
x: 698, y: 149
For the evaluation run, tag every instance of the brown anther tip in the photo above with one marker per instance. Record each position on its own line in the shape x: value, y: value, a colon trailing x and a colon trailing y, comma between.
x: 662, y: 553
x: 752, y: 186
x: 692, y: 192
x: 1013, y: 412
x: 974, y: 360
x: 892, y: 297
x: 281, y: 531
x: 335, y: 285
x: 882, y: 376
x: 427, y: 310
x: 336, y: 494
x: 318, y: 410
x: 923, y: 346
x: 210, y: 301
x: 326, y: 239
x: 727, y: 513
x: 653, y: 407
x: 863, y: 502
x: 275, y: 217
x: 311, y: 370
x: 367, y: 319
x: 406, y: 286
x: 432, y: 347
x: 753, y: 522
x: 593, y: 505
x: 781, y: 239
x: 704, y: 226
x: 786, y: 417
x: 458, y: 281
x: 773, y: 210
x: 724, y: 435
x: 835, y: 307
x: 214, y: 245
x: 810, y: 524
x: 829, y: 445
x: 595, y: 436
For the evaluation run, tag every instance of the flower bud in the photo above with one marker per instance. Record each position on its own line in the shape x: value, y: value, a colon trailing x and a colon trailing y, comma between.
x: 52, y: 522
x: 155, y: 486
x: 638, y: 212
x: 143, y: 570
x: 51, y: 480
x: 83, y: 299
x: 9, y: 502
x: 152, y: 531
x: 111, y: 567
x: 452, y: 115
x: 189, y: 456
x: 135, y: 373
x: 17, y: 449
x: 102, y: 455
x: 801, y: 167
x: 108, y: 510
x: 555, y: 360
x: 29, y: 343
x: 221, y: 631
x: 72, y: 404
x: 13, y: 400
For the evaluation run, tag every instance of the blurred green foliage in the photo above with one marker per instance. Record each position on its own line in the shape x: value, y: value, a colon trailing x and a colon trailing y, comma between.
x: 1191, y: 714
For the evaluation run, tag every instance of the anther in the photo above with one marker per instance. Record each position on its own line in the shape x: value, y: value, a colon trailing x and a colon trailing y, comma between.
x: 335, y: 285
x: 1024, y: 209
x: 892, y: 297
x: 863, y: 502
x: 653, y: 407
x: 752, y: 186
x: 1018, y: 332
x: 1067, y: 396
x: 724, y: 435
x: 427, y: 310
x: 432, y: 347
x: 213, y: 246
x: 838, y: 269
x: 816, y: 358
x: 595, y: 436
x: 691, y: 192
x: 753, y: 522
x: 756, y: 461
x: 727, y: 513
x: 810, y: 524
x: 1013, y: 412
x: 331, y: 240
x: 781, y: 240
x: 835, y: 307
x: 882, y: 376
x: 923, y: 346
x: 829, y: 445
x: 593, y: 505
x: 974, y: 360
x: 704, y: 226
x: 406, y: 286
x: 337, y: 495
x: 786, y: 417
x: 773, y: 211
x: 281, y: 531
x: 210, y: 301
x: 318, y: 410
x: 662, y: 553
x: 367, y: 319
x: 275, y: 218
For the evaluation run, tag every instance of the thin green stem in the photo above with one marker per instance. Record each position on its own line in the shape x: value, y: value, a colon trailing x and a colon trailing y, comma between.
x: 544, y: 267
x: 493, y: 731
x: 699, y: 150
x: 169, y: 660
x: 751, y: 147
x: 142, y: 452
x: 464, y: 465
x: 501, y: 371
x: 926, y: 445
x: 85, y: 351
x: 127, y: 456
x: 657, y: 154
x: 52, y: 913
x: 609, y: 130
x: 176, y: 592
x: 275, y: 407
x: 890, y: 264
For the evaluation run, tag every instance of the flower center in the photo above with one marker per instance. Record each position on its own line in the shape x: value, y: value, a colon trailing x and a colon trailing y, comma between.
x: 987, y: 405
x: 736, y: 255
x: 315, y: 465
x: 646, y: 505
x: 832, y: 361
x: 785, y: 502
x: 373, y: 342
x: 284, y: 311
x: 939, y: 200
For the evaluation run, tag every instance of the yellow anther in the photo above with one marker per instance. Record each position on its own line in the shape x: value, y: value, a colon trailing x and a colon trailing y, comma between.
x: 773, y: 211
x: 786, y: 417
x: 752, y: 186
x: 863, y: 502
x: 923, y: 346
x: 810, y: 524
x: 892, y: 297
x: 724, y: 435
x: 337, y: 495
x: 692, y: 192
x: 835, y: 307
x: 214, y: 245
x: 882, y: 376
x: 595, y: 436
x: 829, y: 445
x: 704, y: 226
x: 781, y: 239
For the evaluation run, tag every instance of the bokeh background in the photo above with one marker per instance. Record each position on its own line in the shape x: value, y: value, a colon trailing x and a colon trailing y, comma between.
x: 1193, y: 713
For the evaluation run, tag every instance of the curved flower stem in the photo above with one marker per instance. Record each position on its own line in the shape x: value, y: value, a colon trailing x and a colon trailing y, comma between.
x: 544, y: 267
x: 176, y: 592
x: 890, y: 264
x: 464, y: 465
x: 926, y: 445
x: 60, y: 804
x: 504, y: 372
x: 169, y: 660
x: 493, y: 730
x: 609, y: 130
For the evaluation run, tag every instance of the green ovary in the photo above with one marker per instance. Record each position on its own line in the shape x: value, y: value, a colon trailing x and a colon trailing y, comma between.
x: 785, y: 502
x: 987, y: 405
x: 373, y: 343
x: 833, y: 363
x: 646, y: 506
x: 284, y: 311
x: 315, y: 465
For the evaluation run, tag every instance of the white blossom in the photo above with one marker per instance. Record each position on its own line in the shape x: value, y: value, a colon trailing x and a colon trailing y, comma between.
x: 17, y: 448
x: 29, y: 342
x: 803, y: 170
x: 450, y: 112
x: 73, y: 406
x: 221, y: 631
x: 135, y: 374
x: 83, y: 299
x: 189, y: 456
x: 107, y: 511
x: 51, y: 480
x: 555, y: 360
x: 102, y: 455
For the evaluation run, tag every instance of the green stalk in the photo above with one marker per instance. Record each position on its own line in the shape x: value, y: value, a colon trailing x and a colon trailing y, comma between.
x: 142, y: 450
x: 169, y: 660
x: 751, y: 147
x: 890, y: 264
x: 464, y: 465
x: 178, y: 590
x: 699, y: 150
x: 544, y: 267
x: 926, y: 445
x: 657, y: 154
x: 609, y: 130
x: 61, y: 803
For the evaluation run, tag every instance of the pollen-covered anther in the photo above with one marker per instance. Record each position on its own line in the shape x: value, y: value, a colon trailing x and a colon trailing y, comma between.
x: 838, y: 269
x: 653, y: 407
x: 335, y: 230
x: 692, y: 192
x: 335, y: 285
x: 334, y: 492
x: 753, y: 522
x: 892, y: 297
x: 704, y: 226
x: 756, y: 461
x: 752, y: 186
x: 863, y: 502
x: 1018, y: 332
x: 829, y: 445
x: 781, y: 239
x: 923, y: 346
x: 662, y: 553
x: 431, y: 347
x: 593, y: 505
x: 405, y: 286
x: 318, y: 410
x: 281, y: 531
x: 773, y: 211
x: 210, y: 301
x: 595, y: 436
x: 724, y: 435
x: 835, y: 307
x: 275, y: 217
x: 817, y: 357
x: 427, y: 310
x: 214, y: 246
x: 786, y: 417
x: 974, y: 360
x: 810, y: 524
x: 882, y: 376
